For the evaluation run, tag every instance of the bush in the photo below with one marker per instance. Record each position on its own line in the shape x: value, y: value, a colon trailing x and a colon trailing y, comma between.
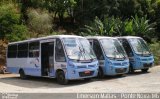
x: 112, y: 26
x: 156, y: 51
x: 39, y: 22
x: 10, y: 25
x: 19, y: 32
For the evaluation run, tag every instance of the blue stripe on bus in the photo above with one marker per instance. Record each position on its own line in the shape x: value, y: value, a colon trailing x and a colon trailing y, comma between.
x: 28, y: 71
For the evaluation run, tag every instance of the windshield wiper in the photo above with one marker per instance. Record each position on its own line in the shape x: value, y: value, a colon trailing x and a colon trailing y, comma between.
x: 91, y: 58
x: 84, y: 51
x: 81, y: 53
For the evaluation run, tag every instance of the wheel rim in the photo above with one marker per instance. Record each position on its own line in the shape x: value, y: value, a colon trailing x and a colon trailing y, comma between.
x: 61, y: 78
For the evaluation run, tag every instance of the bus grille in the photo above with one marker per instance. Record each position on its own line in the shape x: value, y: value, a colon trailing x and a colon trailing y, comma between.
x: 149, y: 59
x: 120, y: 70
x: 91, y: 65
x: 125, y: 63
x: 117, y: 64
x: 144, y: 59
x: 121, y: 64
x: 147, y: 65
x: 82, y: 66
x: 83, y: 74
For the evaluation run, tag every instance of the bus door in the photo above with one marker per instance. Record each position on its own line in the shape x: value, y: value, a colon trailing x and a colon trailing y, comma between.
x: 47, y: 57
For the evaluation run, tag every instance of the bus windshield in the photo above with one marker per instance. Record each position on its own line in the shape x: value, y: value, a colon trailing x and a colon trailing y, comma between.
x: 113, y: 49
x: 78, y: 49
x: 139, y: 46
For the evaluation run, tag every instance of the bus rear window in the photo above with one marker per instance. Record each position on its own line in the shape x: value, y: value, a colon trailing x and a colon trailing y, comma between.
x: 12, y: 51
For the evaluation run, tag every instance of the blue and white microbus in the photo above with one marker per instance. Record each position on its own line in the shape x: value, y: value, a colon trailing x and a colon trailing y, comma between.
x: 112, y: 57
x: 138, y: 52
x: 64, y: 57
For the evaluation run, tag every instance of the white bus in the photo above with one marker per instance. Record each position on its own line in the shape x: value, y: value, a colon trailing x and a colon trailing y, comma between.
x: 64, y: 57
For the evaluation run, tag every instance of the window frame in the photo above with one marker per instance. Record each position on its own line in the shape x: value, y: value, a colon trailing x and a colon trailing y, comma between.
x: 130, y: 50
x: 103, y: 57
x: 64, y: 52
x: 32, y: 50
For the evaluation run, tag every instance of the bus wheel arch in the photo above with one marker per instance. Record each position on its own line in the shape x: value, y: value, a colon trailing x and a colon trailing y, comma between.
x: 60, y: 76
x: 22, y: 74
x: 145, y: 70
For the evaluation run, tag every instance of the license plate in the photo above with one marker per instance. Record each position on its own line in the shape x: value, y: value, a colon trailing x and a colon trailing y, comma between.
x: 87, y: 72
x: 121, y: 68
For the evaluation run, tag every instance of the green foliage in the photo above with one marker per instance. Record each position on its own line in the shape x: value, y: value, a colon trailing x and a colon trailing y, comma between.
x: 39, y: 22
x: 19, y: 33
x: 156, y: 52
x: 96, y: 28
x: 129, y: 27
x: 109, y: 23
x: 10, y: 26
x: 116, y: 27
x: 141, y: 27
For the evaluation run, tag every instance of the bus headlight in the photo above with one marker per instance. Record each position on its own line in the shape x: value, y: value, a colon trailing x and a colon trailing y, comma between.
x: 110, y: 63
x: 73, y: 72
x: 97, y: 64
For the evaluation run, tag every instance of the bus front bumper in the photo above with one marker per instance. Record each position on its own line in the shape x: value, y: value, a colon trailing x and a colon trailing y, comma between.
x: 81, y: 73
x: 116, y: 70
x: 144, y: 65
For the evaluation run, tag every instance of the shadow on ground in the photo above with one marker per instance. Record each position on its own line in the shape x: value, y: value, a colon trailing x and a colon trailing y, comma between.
x: 41, y: 82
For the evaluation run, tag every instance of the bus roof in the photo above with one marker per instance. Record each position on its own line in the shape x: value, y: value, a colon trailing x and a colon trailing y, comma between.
x: 47, y: 37
x: 128, y: 37
x: 99, y: 37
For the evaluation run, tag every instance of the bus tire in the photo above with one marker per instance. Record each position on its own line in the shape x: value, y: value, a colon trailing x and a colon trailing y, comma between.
x: 61, y: 78
x: 87, y: 79
x: 120, y: 75
x: 22, y: 74
x: 131, y: 70
x: 100, y: 73
x: 145, y: 70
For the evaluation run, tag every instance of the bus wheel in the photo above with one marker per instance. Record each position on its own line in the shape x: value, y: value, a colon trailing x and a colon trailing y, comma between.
x: 120, y: 75
x: 87, y: 79
x: 22, y: 74
x: 131, y: 70
x: 100, y: 73
x: 61, y: 78
x: 145, y: 70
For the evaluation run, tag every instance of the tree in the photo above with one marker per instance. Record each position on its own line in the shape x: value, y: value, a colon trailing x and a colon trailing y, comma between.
x: 39, y: 22
x: 10, y: 23
x: 142, y: 27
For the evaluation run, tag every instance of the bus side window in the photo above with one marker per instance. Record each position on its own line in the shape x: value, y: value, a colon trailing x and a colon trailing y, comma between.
x: 91, y: 43
x: 12, y: 51
x: 34, y: 49
x: 97, y: 49
x: 127, y: 47
x: 23, y: 50
x: 59, y: 54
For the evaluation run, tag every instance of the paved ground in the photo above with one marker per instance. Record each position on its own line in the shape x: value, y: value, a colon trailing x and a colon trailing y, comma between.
x: 131, y: 83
